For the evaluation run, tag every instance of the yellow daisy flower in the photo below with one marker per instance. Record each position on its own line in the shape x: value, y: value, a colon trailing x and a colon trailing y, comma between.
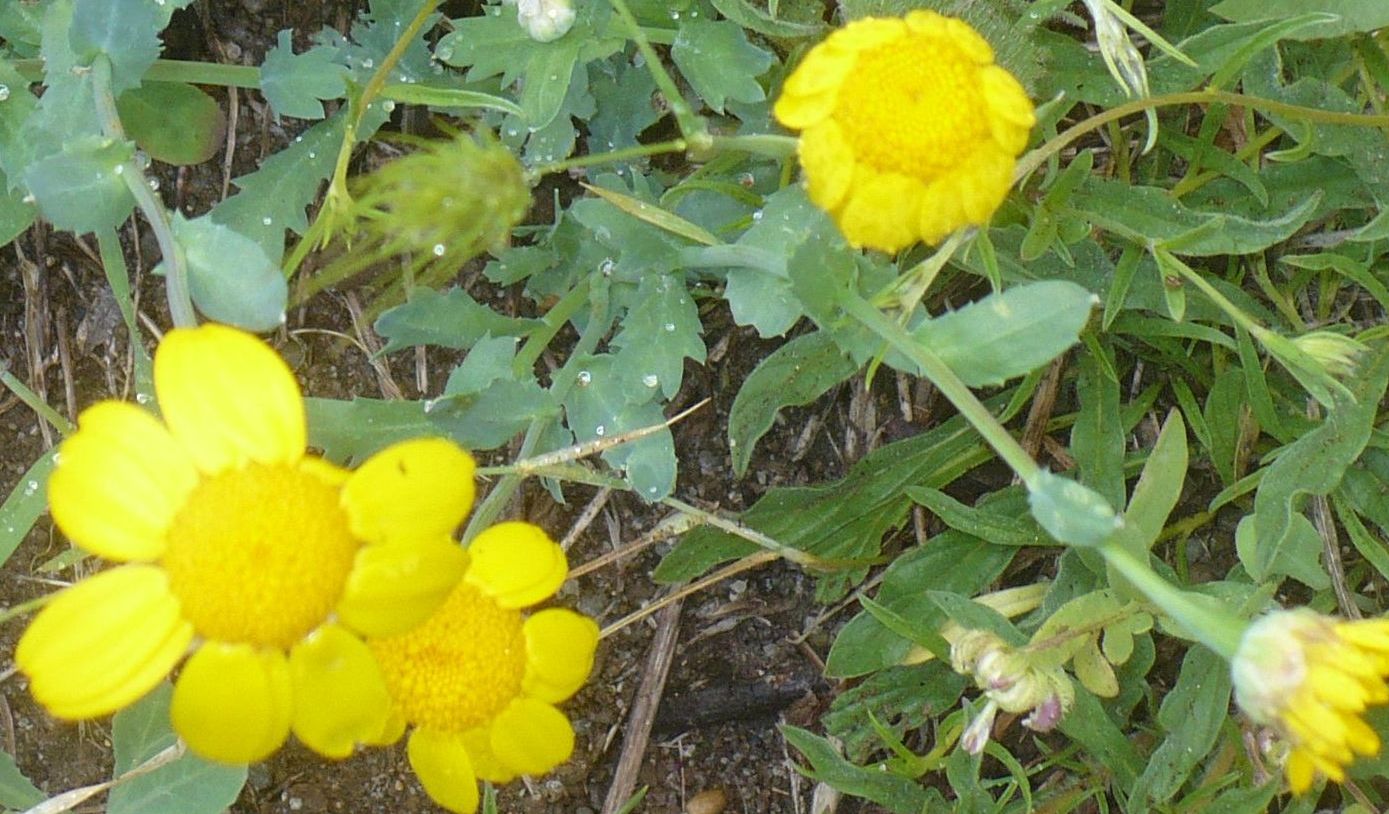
x: 268, y: 563
x: 909, y: 130
x: 479, y: 681
x: 1310, y: 677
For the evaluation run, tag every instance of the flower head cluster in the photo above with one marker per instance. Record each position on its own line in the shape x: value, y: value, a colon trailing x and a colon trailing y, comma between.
x: 1310, y: 677
x: 479, y: 681
x: 1010, y: 683
x: 269, y: 563
x: 909, y: 131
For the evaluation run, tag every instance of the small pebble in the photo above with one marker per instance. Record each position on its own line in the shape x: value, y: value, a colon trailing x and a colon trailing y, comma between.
x: 709, y: 801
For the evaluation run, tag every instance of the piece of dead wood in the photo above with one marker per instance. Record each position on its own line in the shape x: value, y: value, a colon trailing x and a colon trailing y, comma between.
x: 637, y: 735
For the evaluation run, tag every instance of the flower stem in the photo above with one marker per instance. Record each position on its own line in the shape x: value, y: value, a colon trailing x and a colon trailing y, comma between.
x: 175, y: 265
x: 1200, y: 617
x: 691, y: 126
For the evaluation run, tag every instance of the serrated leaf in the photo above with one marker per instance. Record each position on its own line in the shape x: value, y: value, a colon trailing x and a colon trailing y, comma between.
x: 1351, y: 16
x: 348, y: 432
x: 274, y: 197
x: 448, y: 320
x: 719, y: 62
x: 483, y: 404
x: 1007, y: 335
x: 187, y: 785
x: 601, y: 405
x: 16, y: 790
x: 173, y: 122
x: 81, y: 189
x: 1313, y: 464
x: 659, y: 332
x: 294, y: 83
x: 16, y: 214
x: 126, y: 31
x: 755, y: 19
x: 26, y: 502
x: 229, y: 276
x: 626, y: 106
x: 796, y: 373
x: 759, y: 293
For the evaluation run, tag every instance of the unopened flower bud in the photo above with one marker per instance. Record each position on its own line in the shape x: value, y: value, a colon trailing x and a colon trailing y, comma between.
x: 545, y: 20
x: 1337, y: 354
x: 976, y: 735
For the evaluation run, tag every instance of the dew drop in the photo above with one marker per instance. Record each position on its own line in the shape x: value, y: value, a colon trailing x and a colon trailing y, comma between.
x: 154, y: 184
x: 439, y: 250
x: 4, y: 92
x: 670, y: 327
x: 368, y: 63
x: 600, y: 430
x: 313, y: 154
x: 757, y: 216
x: 266, y: 221
x: 388, y: 106
x: 606, y: 267
x: 650, y: 380
x: 119, y: 170
x: 585, y: 378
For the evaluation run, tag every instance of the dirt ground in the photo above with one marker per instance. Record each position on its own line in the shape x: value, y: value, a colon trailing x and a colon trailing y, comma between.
x: 746, y: 652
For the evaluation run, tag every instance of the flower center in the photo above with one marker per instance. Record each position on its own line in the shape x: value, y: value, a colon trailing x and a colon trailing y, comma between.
x: 259, y: 555
x: 913, y: 107
x: 458, y: 669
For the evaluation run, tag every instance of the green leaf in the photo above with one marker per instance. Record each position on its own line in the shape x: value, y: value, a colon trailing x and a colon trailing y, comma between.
x: 659, y: 332
x: 188, y: 785
x: 1192, y: 715
x: 24, y: 505
x: 719, y: 62
x: 898, y: 794
x: 624, y: 106
x: 1007, y: 335
x: 952, y: 563
x: 1314, y: 464
x: 229, y: 276
x: 1071, y: 512
x: 1298, y: 555
x: 1090, y: 726
x: 126, y: 31
x: 81, y: 189
x: 755, y: 19
x: 349, y: 432
x: 451, y: 320
x: 1149, y: 215
x: 1098, y: 437
x: 483, y: 405
x: 416, y: 93
x: 16, y: 214
x: 601, y: 405
x: 1353, y: 15
x: 986, y: 522
x: 16, y: 791
x: 796, y: 373
x: 293, y: 83
x: 898, y: 697
x: 274, y: 197
x: 172, y: 121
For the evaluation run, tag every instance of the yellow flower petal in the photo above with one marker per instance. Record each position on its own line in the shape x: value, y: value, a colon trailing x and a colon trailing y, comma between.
x: 823, y: 69
x: 390, y: 733
x: 103, y: 643
x: 1013, y: 116
x: 394, y: 587
x: 1300, y: 772
x: 119, y: 481
x: 532, y: 737
x: 411, y: 491
x: 829, y: 164
x: 228, y: 398
x: 798, y: 111
x: 516, y: 564
x: 559, y: 653
x: 869, y: 32
x: 340, y: 695
x: 882, y: 211
x: 980, y: 190
x: 485, y: 763
x: 441, y: 762
x: 966, y: 39
x: 233, y: 703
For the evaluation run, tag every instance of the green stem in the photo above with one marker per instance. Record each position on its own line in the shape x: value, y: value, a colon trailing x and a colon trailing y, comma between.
x: 1030, y: 162
x: 691, y: 126
x: 175, y: 265
x: 908, y: 290
x: 118, y: 277
x: 945, y: 380
x: 597, y: 159
x: 172, y: 70
x: 772, y: 145
x: 1201, y: 617
x: 555, y: 318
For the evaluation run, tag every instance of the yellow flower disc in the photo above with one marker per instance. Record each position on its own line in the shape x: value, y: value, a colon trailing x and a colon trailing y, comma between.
x: 910, y: 131
x: 259, y: 555
x: 460, y: 668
